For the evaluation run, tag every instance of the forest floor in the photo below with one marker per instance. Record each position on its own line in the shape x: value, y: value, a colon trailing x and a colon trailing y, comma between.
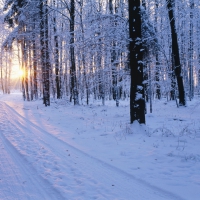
x: 92, y: 152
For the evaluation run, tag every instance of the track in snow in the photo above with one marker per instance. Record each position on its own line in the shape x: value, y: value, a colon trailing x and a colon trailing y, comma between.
x: 18, y: 180
x: 37, y: 165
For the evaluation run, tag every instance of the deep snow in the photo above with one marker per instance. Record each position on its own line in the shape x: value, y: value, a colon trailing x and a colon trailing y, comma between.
x: 92, y: 152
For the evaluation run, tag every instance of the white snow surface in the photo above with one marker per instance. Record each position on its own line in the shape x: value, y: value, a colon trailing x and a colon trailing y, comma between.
x: 92, y: 152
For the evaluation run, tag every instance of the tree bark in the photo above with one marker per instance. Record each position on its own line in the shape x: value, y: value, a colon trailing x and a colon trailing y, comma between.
x: 35, y: 85
x: 74, y: 89
x: 176, y: 65
x: 56, y: 53
x: 137, y: 101
x: 157, y: 74
x: 45, y: 51
x: 190, y: 62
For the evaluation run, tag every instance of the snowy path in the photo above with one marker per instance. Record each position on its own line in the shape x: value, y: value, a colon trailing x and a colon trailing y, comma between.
x: 19, y: 180
x: 37, y: 165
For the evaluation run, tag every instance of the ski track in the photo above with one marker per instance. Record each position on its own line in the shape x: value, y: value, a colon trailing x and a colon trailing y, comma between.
x: 53, y: 169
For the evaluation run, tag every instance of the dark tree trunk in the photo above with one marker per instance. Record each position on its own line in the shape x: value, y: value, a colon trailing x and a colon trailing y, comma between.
x: 157, y: 78
x: 198, y: 53
x: 114, y: 55
x: 74, y: 90
x: 175, y: 54
x: 35, y: 87
x: 23, y: 77
x: 83, y: 54
x: 137, y: 102
x: 56, y: 57
x: 2, y: 83
x: 157, y: 74
x: 190, y: 62
x: 30, y: 71
x: 100, y: 72
x: 45, y: 51
x: 173, y: 82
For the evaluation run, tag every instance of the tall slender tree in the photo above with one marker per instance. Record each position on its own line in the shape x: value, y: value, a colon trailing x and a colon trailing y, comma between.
x: 157, y: 73
x: 56, y: 54
x: 137, y: 101
x: 45, y: 62
x: 176, y: 65
x: 74, y: 90
x: 190, y: 61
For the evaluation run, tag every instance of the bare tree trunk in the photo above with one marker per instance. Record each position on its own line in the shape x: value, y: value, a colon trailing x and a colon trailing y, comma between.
x: 198, y: 53
x: 150, y: 89
x: 175, y: 54
x: 74, y: 89
x: 137, y: 101
x: 2, y: 83
x: 83, y: 53
x: 45, y: 62
x: 115, y: 89
x: 23, y: 77
x: 190, y: 62
x: 157, y: 74
x: 9, y: 72
x: 30, y: 72
x: 35, y: 85
x: 56, y: 55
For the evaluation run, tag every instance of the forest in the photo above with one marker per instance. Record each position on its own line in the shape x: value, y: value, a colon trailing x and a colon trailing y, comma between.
x: 99, y: 99
x: 86, y: 50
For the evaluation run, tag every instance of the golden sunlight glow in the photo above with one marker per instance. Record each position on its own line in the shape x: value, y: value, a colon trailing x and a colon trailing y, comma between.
x: 17, y: 73
x: 20, y: 73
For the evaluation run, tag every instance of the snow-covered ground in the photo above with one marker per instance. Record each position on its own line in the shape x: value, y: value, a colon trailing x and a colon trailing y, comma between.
x: 92, y: 152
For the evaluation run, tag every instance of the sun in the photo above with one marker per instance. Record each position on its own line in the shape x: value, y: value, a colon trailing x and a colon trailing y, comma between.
x: 20, y: 73
x: 17, y: 72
